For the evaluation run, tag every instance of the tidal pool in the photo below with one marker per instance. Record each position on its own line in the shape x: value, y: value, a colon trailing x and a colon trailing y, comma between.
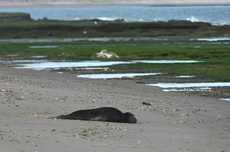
x: 214, y: 39
x: 34, y: 40
x: 185, y: 76
x: 110, y: 76
x: 60, y: 65
x: 46, y: 46
x: 94, y: 63
x: 225, y: 99
x: 202, y: 86
x: 39, y: 56
x: 188, y: 89
x: 188, y: 85
x: 19, y: 62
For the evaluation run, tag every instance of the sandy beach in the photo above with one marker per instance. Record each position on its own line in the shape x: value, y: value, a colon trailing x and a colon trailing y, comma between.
x: 92, y: 3
x: 168, y: 122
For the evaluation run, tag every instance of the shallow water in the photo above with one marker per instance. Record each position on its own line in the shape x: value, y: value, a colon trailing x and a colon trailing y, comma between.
x: 18, y: 62
x: 185, y: 76
x: 34, y: 40
x: 189, y: 85
x: 82, y: 45
x: 39, y: 56
x: 215, y: 39
x: 188, y: 89
x: 117, y: 75
x: 201, y: 86
x: 225, y: 99
x: 94, y: 63
x: 46, y: 46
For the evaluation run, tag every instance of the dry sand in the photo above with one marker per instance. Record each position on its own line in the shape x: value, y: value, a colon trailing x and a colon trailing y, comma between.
x: 173, y: 121
x: 80, y: 3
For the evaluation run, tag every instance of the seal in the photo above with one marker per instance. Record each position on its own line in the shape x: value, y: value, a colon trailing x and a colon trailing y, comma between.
x: 107, y: 114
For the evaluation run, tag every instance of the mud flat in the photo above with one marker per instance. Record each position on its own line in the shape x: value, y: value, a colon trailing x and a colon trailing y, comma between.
x: 167, y: 121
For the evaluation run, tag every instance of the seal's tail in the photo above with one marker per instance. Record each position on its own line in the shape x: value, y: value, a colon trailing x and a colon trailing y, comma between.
x: 58, y: 117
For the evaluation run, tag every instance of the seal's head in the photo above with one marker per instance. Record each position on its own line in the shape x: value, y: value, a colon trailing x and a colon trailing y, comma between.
x: 129, y: 118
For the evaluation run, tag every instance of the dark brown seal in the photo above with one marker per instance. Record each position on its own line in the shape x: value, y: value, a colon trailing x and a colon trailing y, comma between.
x: 108, y: 114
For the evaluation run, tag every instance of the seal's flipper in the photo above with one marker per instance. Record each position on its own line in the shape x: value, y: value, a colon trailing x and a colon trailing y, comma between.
x: 97, y: 119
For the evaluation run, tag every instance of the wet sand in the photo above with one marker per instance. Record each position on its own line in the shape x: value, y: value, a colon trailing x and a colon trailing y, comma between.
x: 167, y: 121
x: 90, y: 3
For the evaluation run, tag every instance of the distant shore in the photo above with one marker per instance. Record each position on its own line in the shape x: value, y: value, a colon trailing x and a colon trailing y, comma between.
x: 106, y: 3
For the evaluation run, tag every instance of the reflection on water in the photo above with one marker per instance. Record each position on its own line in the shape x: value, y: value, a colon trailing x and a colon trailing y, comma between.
x: 110, y: 76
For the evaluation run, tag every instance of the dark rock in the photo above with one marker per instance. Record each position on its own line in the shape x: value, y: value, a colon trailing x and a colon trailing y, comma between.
x: 146, y: 103
x: 15, y: 16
